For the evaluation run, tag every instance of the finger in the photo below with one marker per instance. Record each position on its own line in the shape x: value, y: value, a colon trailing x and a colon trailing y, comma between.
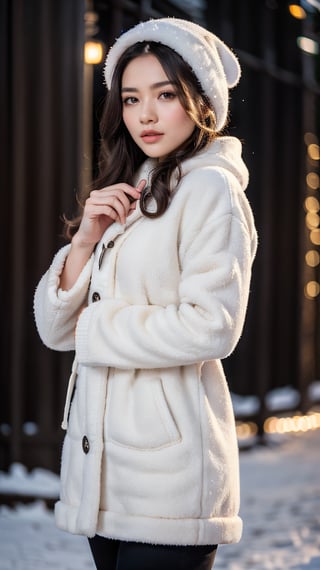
x: 104, y: 196
x: 93, y: 212
x: 115, y: 189
x: 135, y: 194
x: 114, y: 197
x: 141, y: 185
x: 120, y: 205
x: 116, y: 201
x: 120, y: 190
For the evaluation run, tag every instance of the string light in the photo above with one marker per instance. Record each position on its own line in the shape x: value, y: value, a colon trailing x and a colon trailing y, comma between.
x: 314, y: 151
x: 293, y: 424
x: 312, y: 289
x: 312, y: 220
x: 312, y: 258
x: 246, y: 430
x: 312, y: 180
x: 308, y: 45
x: 315, y: 236
x: 298, y: 423
x: 93, y: 52
x: 312, y: 204
x: 297, y: 11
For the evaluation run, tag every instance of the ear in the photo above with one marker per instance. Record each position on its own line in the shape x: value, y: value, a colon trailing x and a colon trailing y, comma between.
x: 229, y: 62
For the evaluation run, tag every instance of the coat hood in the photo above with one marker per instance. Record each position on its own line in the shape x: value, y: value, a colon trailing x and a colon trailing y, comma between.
x: 225, y: 152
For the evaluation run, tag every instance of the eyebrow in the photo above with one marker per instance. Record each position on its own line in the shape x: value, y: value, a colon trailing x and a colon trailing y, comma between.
x: 153, y: 86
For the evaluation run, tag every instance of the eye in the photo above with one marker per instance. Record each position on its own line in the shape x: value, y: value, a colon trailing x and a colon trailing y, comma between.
x: 167, y: 95
x: 129, y: 100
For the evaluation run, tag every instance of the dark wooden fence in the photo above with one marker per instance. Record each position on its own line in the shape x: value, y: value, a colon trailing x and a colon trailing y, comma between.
x: 40, y: 106
x: 274, y: 108
x: 40, y: 141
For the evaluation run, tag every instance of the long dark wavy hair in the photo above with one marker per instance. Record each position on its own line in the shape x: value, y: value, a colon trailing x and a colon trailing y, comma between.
x: 120, y: 157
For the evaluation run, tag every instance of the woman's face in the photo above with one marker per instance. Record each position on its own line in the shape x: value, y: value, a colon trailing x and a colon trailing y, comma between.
x: 151, y: 108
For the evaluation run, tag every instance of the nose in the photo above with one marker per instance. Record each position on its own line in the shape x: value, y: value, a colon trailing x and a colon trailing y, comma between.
x: 148, y: 113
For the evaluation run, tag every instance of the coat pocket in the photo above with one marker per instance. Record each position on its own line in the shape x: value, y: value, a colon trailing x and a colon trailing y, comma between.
x: 138, y: 415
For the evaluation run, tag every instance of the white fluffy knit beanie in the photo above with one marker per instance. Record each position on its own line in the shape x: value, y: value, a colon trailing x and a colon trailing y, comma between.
x: 214, y: 64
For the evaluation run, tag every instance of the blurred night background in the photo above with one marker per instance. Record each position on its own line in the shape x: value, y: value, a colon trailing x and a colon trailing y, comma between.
x: 50, y: 102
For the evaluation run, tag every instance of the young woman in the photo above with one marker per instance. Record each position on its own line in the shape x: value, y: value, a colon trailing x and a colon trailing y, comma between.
x: 151, y: 293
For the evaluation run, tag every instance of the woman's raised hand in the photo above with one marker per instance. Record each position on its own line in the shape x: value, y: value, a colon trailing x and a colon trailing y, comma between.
x: 103, y: 207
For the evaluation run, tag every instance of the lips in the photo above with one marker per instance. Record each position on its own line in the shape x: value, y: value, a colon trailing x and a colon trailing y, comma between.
x: 151, y: 136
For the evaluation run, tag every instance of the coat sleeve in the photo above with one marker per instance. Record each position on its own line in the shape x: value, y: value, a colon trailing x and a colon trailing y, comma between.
x: 56, y: 311
x: 216, y: 259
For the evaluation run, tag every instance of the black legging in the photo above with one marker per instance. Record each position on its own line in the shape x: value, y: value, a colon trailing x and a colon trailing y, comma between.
x: 120, y: 555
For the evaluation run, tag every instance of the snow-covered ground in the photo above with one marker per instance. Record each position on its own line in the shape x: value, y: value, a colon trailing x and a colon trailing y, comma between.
x: 280, y: 507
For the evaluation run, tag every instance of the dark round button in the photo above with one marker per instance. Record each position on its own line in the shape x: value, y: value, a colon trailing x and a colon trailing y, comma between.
x: 110, y: 244
x: 95, y: 297
x: 85, y: 444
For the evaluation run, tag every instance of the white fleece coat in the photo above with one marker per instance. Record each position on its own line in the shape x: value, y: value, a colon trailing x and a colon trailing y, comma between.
x: 166, y: 301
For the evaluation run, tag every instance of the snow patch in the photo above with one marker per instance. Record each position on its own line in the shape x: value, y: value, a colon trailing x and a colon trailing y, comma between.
x: 245, y: 406
x: 314, y: 394
x: 286, y: 398
x: 38, y: 483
